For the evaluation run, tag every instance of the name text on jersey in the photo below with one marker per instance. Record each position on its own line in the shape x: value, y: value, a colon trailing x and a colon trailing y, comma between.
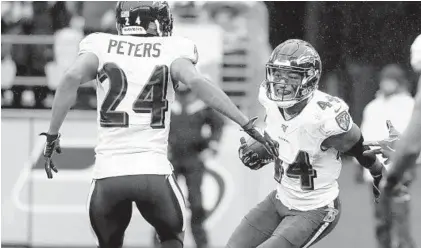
x: 137, y: 50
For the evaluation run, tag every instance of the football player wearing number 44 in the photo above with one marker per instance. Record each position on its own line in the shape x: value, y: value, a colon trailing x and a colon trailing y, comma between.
x: 312, y: 129
x: 136, y: 72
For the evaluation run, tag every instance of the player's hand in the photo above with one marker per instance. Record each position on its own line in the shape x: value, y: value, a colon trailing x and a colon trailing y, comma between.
x: 51, y: 145
x: 384, y: 147
x: 249, y: 157
x: 270, y: 144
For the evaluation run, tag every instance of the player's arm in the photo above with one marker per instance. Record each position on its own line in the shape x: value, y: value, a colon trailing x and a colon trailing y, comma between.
x: 351, y: 143
x: 183, y: 70
x: 83, y: 70
x: 409, y: 146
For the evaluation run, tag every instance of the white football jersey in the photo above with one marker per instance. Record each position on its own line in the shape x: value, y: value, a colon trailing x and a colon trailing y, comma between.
x: 134, y: 97
x: 310, y: 172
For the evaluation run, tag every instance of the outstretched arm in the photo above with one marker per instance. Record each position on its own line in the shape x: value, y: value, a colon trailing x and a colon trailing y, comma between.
x: 351, y: 143
x: 82, y: 71
x: 409, y: 146
x: 183, y: 70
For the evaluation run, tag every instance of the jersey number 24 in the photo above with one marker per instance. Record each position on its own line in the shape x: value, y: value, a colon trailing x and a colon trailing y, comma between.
x: 152, y: 98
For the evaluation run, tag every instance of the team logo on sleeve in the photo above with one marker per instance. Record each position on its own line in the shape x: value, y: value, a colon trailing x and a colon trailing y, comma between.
x: 343, y: 119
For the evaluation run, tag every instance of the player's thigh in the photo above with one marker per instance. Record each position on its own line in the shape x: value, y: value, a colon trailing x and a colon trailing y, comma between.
x: 109, y: 211
x: 257, y: 226
x: 276, y: 242
x: 164, y: 208
x: 305, y: 228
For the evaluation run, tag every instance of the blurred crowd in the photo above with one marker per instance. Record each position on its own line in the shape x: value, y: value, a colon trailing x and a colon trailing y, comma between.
x: 35, y: 18
x: 351, y: 63
x: 33, y: 64
x: 66, y: 25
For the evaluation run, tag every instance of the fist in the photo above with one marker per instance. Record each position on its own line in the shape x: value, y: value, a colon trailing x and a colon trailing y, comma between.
x: 254, y: 154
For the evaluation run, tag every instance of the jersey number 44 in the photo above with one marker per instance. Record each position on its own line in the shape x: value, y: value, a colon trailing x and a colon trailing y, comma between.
x: 300, y: 169
x: 152, y: 98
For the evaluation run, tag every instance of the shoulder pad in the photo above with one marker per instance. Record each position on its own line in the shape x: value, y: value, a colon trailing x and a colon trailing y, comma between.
x: 90, y: 44
x: 341, y: 123
x: 334, y: 115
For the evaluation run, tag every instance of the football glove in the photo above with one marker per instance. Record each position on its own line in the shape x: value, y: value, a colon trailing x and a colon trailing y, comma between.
x: 51, y: 145
x: 251, y: 158
x: 270, y: 145
x: 384, y: 147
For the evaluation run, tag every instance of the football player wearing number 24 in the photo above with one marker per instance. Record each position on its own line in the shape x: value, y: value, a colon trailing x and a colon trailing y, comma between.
x: 312, y: 128
x: 136, y: 72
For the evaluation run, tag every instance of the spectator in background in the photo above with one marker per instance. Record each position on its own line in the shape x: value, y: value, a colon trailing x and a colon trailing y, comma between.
x: 66, y: 47
x: 32, y: 18
x: 195, y: 132
x: 8, y: 69
x: 108, y: 22
x: 393, y: 102
x: 94, y: 13
x: 230, y: 17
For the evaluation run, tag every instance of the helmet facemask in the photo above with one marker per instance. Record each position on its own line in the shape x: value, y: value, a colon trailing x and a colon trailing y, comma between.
x: 287, y: 85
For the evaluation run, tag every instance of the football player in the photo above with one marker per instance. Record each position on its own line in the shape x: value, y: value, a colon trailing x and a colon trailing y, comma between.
x: 136, y: 72
x: 408, y: 146
x: 312, y: 129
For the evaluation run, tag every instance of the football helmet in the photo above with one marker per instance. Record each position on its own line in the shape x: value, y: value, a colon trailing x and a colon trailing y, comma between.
x: 292, y: 73
x: 149, y: 18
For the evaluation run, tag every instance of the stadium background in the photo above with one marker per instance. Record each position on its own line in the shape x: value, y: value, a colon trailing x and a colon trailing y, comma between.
x: 39, y: 39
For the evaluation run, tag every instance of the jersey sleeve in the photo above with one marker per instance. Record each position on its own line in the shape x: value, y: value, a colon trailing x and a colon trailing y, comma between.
x: 187, y: 50
x: 337, y: 120
x: 91, y: 44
